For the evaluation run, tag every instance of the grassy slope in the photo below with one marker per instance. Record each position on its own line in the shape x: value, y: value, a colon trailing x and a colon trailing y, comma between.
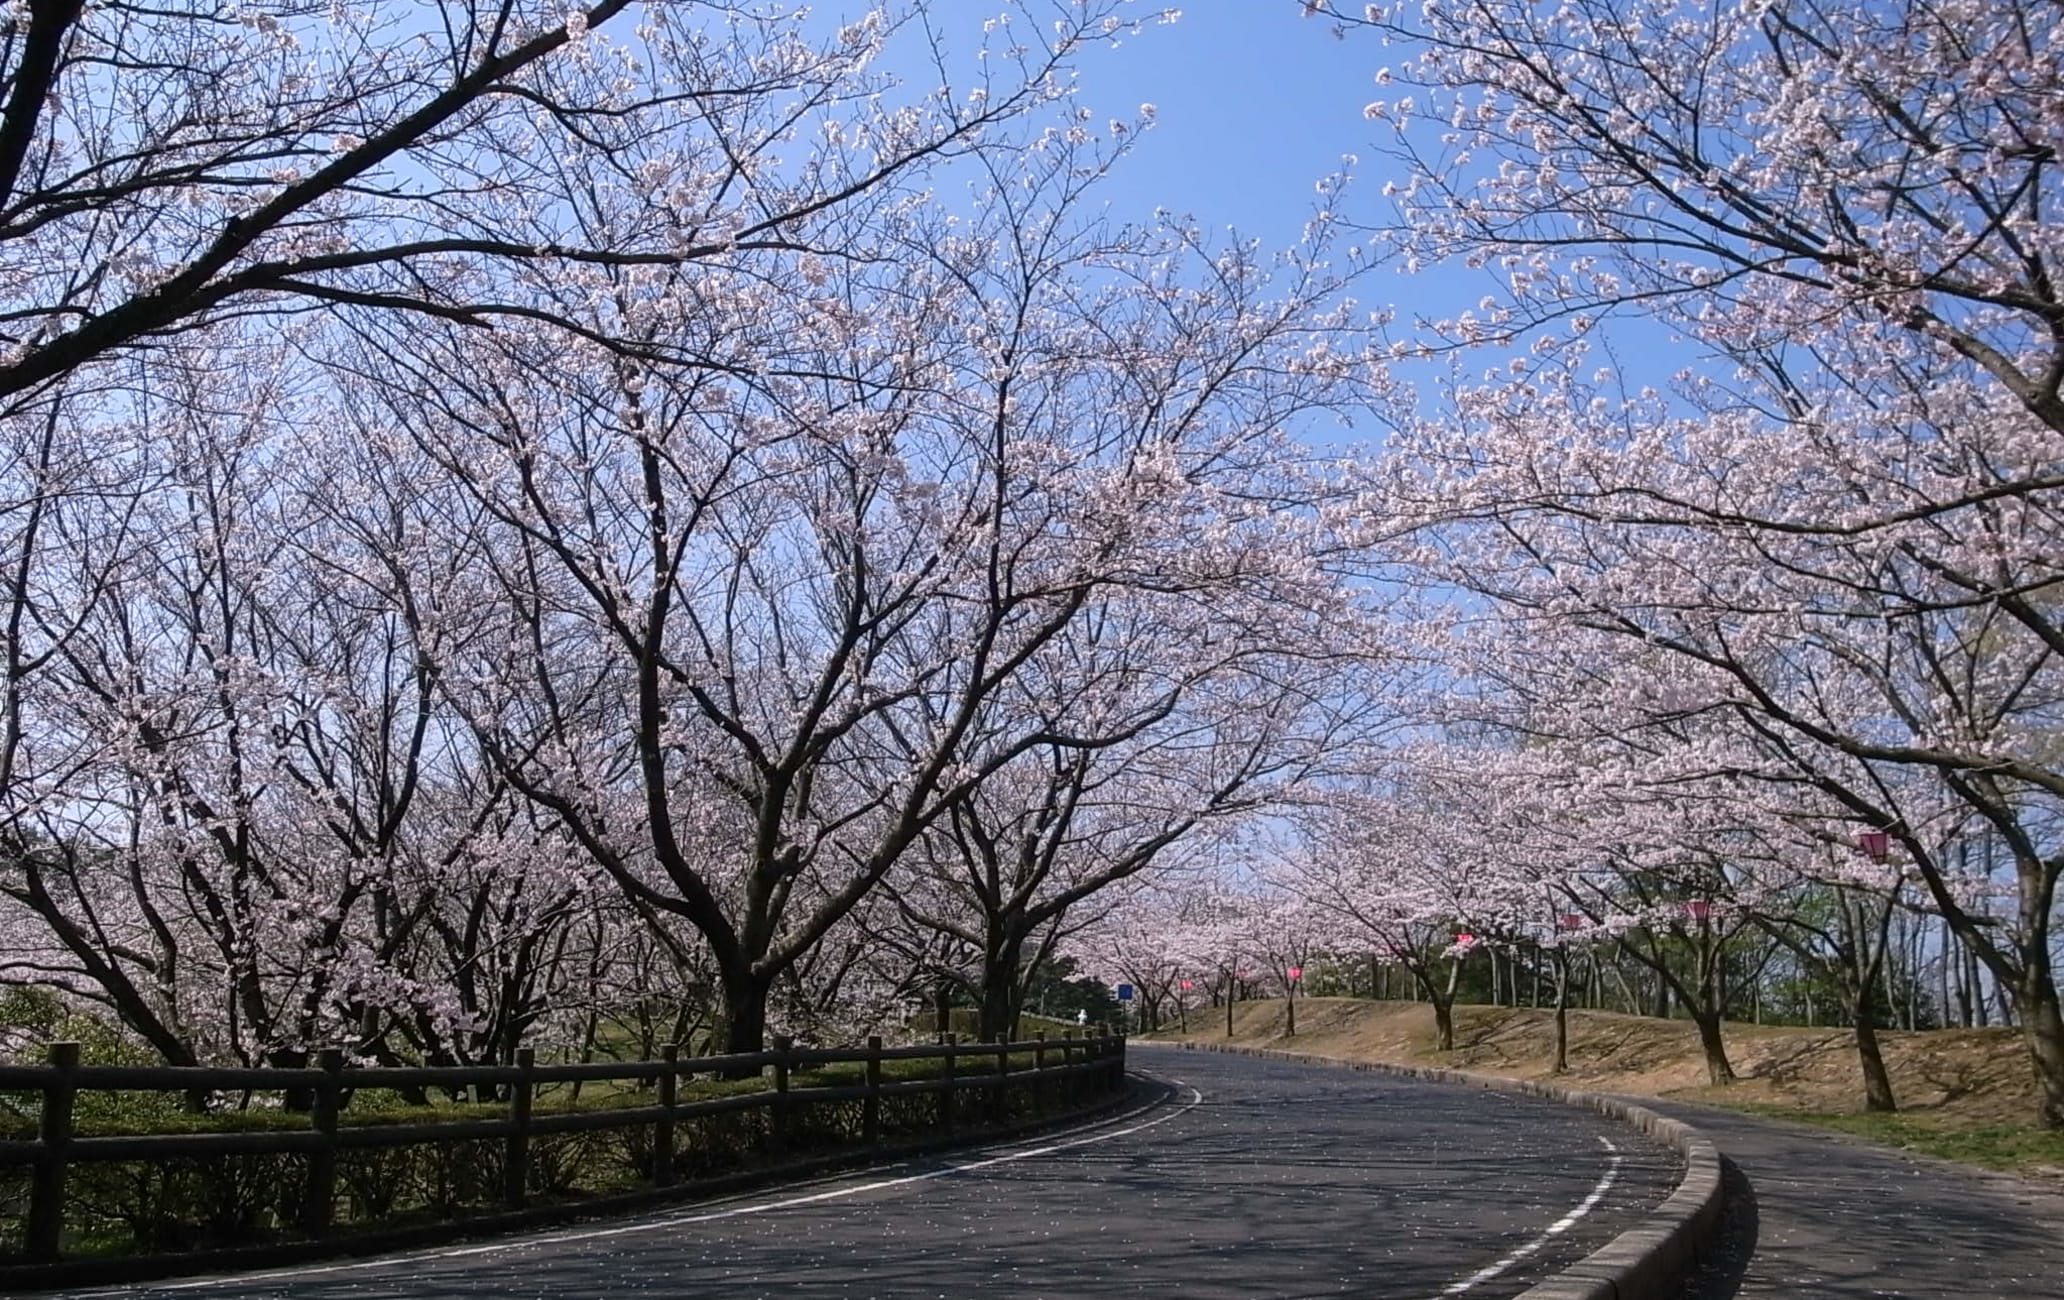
x: 1965, y: 1094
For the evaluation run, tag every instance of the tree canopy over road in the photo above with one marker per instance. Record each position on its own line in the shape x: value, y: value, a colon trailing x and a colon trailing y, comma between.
x: 598, y: 528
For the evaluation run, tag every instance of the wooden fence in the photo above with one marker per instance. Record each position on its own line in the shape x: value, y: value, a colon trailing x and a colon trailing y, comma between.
x: 974, y: 1083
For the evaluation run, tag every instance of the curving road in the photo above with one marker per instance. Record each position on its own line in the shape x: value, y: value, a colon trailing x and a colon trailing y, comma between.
x: 1812, y: 1213
x: 1251, y: 1179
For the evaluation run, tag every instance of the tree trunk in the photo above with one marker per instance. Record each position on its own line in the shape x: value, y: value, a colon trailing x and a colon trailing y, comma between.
x: 1877, y: 1083
x: 1718, y: 1070
x: 745, y: 1020
x: 2042, y: 1029
x: 1942, y: 979
x: 1444, y: 1008
x: 1290, y: 1005
x: 1561, y: 1011
x: 998, y: 1016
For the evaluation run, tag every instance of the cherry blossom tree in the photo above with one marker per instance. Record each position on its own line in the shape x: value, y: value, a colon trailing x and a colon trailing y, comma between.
x: 161, y: 169
x: 1399, y: 872
x: 1832, y: 535
x: 1855, y: 665
x: 1753, y: 171
x: 769, y: 599
x: 244, y: 804
x: 279, y: 812
x: 1158, y: 753
x: 1144, y: 937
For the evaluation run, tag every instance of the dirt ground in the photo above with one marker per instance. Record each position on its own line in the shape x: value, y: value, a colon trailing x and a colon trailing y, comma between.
x: 1964, y: 1076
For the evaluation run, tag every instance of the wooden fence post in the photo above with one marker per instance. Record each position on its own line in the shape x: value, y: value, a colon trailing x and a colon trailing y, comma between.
x: 663, y: 1131
x: 54, y: 1133
x: 1069, y: 1083
x: 999, y: 1105
x: 870, y: 1105
x: 946, y: 1093
x: 516, y: 1154
x: 1039, y: 1072
x: 319, y: 1201
x: 777, y: 1115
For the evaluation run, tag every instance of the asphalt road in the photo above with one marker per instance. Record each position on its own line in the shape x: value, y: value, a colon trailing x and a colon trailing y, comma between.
x: 1255, y: 1179
x: 1816, y: 1214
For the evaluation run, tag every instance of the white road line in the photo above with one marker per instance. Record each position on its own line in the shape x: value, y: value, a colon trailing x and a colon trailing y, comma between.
x: 1554, y: 1230
x: 705, y: 1216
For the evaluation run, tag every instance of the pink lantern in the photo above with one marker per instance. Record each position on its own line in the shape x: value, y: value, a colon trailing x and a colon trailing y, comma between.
x: 1295, y: 972
x: 1464, y: 940
x: 1570, y: 921
x: 1876, y: 845
x: 1188, y: 985
x: 1698, y: 909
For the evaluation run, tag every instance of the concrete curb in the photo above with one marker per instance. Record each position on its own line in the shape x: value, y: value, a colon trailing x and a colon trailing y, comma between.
x: 1648, y: 1261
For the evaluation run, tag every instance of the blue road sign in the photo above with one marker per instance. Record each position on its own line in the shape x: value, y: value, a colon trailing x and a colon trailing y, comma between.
x: 1125, y: 992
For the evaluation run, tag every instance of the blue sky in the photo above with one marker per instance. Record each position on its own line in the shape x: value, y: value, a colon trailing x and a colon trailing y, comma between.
x: 1255, y: 105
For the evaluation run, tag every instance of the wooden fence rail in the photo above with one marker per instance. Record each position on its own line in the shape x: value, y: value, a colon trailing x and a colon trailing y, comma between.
x: 1060, y: 1069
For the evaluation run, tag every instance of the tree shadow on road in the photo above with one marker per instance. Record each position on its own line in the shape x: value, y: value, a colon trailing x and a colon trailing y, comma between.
x: 1720, y: 1271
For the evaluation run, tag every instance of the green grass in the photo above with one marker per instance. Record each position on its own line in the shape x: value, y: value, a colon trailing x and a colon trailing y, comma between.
x: 2010, y: 1148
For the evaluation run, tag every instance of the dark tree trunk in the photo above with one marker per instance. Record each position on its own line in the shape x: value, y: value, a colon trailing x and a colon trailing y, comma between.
x: 745, y: 1020
x: 1443, y: 1000
x: 1001, y: 1000
x: 1877, y: 1083
x: 1561, y: 1012
x: 2042, y: 1029
x: 1444, y: 1024
x: 1718, y: 1070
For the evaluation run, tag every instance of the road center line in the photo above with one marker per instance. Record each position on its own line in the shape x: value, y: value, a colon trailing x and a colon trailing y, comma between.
x: 1554, y: 1230
x: 729, y: 1212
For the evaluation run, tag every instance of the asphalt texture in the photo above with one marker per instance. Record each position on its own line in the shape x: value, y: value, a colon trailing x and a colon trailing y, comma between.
x: 1253, y: 1179
x: 1820, y: 1215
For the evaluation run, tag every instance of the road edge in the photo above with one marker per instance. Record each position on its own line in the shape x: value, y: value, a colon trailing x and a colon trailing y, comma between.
x: 1649, y: 1261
